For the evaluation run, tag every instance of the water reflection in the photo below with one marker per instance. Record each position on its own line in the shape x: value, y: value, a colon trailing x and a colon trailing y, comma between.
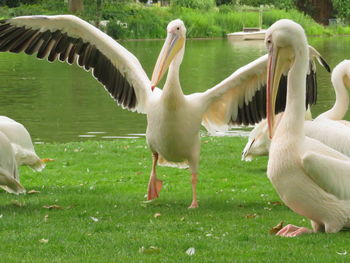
x: 58, y: 102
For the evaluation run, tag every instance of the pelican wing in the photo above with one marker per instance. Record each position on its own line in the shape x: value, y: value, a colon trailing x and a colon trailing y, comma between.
x: 241, y: 98
x: 69, y: 38
x: 329, y: 172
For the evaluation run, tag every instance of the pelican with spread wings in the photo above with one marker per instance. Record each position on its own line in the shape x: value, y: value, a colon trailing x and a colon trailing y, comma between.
x: 173, y: 118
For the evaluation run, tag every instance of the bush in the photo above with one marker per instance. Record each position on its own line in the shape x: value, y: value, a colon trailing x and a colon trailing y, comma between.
x: 194, y: 4
x: 342, y: 10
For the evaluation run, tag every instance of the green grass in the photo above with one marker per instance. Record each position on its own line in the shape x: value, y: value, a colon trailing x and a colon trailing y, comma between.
x: 107, y: 180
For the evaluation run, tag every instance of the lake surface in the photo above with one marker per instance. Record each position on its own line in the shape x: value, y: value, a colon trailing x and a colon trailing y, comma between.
x: 59, y: 103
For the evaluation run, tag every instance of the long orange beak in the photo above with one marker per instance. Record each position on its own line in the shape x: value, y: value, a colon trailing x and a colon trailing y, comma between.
x: 274, y: 73
x: 173, y: 44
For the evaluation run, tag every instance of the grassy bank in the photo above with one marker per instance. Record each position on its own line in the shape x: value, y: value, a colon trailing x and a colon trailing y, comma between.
x: 136, y: 21
x: 100, y: 187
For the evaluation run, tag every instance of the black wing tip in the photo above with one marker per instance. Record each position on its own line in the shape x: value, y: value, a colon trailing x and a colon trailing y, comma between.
x: 325, y: 64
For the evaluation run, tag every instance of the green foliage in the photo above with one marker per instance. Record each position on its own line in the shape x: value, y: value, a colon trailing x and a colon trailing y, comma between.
x: 282, y: 4
x: 225, y: 2
x: 125, y: 21
x: 342, y: 9
x: 195, y: 4
x: 16, y: 3
x: 310, y: 26
x: 134, y: 21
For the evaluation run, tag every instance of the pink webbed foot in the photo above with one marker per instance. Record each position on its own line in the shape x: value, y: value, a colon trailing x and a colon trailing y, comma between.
x: 154, y: 187
x: 293, y: 231
x: 194, y: 204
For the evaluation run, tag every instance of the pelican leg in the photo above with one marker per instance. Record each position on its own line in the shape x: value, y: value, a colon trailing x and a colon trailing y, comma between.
x: 154, y: 185
x: 194, y: 203
x: 293, y: 231
x: 317, y: 227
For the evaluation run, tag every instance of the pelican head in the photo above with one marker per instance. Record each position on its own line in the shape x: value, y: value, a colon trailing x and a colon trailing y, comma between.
x: 258, y: 142
x: 283, y: 41
x: 174, y: 43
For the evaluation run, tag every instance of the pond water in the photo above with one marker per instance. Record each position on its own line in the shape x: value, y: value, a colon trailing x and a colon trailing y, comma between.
x: 60, y: 103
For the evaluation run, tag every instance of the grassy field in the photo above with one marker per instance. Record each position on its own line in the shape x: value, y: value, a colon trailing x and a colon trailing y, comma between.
x: 99, y: 187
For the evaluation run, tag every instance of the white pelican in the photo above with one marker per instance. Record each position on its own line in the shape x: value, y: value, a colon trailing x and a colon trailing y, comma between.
x: 9, y: 176
x: 21, y: 143
x: 173, y: 118
x: 311, y: 178
x: 328, y: 127
x: 341, y: 81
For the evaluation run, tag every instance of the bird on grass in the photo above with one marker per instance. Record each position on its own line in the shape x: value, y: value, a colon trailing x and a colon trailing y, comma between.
x: 311, y: 178
x: 173, y: 118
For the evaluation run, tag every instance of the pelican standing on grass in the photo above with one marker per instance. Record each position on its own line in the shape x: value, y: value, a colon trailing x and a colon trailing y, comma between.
x: 173, y: 118
x: 311, y: 178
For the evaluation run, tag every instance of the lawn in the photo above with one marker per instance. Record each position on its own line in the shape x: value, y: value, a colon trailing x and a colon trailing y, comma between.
x: 100, y: 214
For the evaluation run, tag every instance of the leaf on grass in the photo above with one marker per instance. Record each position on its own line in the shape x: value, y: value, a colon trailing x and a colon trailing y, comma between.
x: 156, y: 215
x: 46, y: 217
x: 191, y: 251
x: 31, y: 192
x: 150, y: 250
x: 78, y: 150
x: 46, y: 160
x: 276, y: 228
x: 51, y: 207
x: 276, y: 203
x: 342, y: 253
x: 94, y: 219
x: 44, y: 241
x: 17, y: 203
x: 251, y: 216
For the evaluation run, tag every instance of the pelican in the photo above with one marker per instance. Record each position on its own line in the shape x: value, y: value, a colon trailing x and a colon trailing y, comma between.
x: 328, y: 127
x: 21, y: 143
x: 340, y: 80
x: 173, y: 118
x: 9, y: 176
x: 311, y: 178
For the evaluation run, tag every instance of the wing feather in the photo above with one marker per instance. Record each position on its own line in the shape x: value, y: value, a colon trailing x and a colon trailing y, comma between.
x: 71, y: 39
x: 240, y: 99
x: 329, y: 172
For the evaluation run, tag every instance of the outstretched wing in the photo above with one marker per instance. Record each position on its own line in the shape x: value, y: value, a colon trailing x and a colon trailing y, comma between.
x: 240, y: 99
x: 69, y: 38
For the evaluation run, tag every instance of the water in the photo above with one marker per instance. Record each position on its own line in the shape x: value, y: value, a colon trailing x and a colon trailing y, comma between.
x: 60, y: 103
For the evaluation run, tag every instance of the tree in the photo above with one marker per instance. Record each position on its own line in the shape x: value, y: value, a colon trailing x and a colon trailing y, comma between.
x: 76, y: 6
x: 320, y: 10
x: 341, y: 9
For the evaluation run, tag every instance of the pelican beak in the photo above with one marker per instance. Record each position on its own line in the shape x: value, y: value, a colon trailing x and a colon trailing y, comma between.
x: 171, y: 47
x: 274, y: 73
x: 246, y: 156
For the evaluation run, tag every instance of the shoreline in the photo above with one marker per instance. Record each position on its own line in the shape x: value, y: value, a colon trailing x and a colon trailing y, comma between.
x: 217, y: 38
